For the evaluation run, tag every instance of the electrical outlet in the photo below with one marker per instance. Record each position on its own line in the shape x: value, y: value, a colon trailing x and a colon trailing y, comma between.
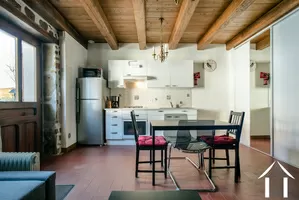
x: 168, y: 97
x: 136, y: 97
x: 69, y: 135
x: 188, y: 95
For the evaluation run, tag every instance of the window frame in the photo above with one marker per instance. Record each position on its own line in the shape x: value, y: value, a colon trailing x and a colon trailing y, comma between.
x: 23, y: 36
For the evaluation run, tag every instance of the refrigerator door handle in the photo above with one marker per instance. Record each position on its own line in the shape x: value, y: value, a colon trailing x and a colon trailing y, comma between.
x: 78, y: 106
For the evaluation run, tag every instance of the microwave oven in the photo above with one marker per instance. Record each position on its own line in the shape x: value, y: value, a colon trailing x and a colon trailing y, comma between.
x: 90, y: 72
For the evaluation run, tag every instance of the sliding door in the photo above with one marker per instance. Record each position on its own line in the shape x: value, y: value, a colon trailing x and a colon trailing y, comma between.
x: 19, y: 91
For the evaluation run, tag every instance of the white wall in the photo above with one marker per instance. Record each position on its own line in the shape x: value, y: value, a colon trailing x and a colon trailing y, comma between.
x: 239, y: 60
x: 73, y: 56
x: 153, y: 97
x: 285, y: 89
x: 211, y: 100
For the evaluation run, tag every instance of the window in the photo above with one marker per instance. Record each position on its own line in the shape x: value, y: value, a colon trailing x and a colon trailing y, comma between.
x: 18, y: 76
x: 8, y: 67
x: 29, y: 72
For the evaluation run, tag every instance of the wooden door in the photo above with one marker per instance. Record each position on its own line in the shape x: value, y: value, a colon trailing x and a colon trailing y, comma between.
x: 20, y: 114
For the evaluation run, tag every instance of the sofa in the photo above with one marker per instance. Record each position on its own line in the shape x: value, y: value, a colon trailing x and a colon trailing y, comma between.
x: 31, y: 185
x: 18, y: 183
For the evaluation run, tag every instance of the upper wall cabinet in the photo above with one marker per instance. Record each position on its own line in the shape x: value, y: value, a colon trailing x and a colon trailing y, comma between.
x: 181, y: 73
x: 115, y: 74
x: 170, y: 74
x: 158, y: 74
x: 134, y: 67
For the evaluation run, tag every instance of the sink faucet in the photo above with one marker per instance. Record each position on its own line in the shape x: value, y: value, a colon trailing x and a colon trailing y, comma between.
x: 171, y: 104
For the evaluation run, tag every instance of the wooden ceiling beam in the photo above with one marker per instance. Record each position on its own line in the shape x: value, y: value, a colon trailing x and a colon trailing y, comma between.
x: 139, y: 13
x: 264, y: 43
x: 234, y: 9
x: 96, y: 13
x: 186, y: 12
x: 10, y: 16
x: 47, y: 11
x: 263, y: 22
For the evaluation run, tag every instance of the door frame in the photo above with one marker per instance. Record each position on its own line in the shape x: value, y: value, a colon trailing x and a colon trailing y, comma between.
x: 22, y: 35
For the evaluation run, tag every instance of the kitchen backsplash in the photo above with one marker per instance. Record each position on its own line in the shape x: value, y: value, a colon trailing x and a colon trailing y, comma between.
x: 154, y: 97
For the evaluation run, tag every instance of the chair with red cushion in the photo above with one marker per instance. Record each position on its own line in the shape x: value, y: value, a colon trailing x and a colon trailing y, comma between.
x: 229, y: 141
x: 146, y: 143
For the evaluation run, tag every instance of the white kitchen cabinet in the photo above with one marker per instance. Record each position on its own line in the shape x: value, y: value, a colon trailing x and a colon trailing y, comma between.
x: 114, y: 126
x: 159, y: 76
x: 170, y: 74
x: 181, y: 73
x: 115, y: 74
x: 134, y: 67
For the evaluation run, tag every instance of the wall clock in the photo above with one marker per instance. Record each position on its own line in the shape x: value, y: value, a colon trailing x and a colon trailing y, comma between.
x: 210, y: 65
x: 252, y: 65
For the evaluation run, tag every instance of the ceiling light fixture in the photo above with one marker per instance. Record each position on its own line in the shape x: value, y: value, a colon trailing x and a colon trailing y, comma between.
x: 177, y: 2
x: 163, y: 52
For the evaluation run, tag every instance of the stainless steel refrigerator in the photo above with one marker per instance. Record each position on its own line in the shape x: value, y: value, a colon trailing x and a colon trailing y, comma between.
x: 90, y: 110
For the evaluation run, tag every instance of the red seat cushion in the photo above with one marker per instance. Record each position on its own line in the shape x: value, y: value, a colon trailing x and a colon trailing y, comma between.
x: 148, y: 141
x: 221, y: 139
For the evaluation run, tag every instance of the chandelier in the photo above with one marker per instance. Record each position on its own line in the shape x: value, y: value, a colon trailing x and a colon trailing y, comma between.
x: 163, y: 52
x: 177, y: 2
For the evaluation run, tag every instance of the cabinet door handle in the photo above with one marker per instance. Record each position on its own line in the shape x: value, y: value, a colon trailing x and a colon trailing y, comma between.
x: 115, y: 111
x: 128, y: 74
x: 114, y: 125
x: 114, y: 117
x: 174, y: 85
x: 184, y: 111
x: 137, y: 115
x: 168, y: 116
x: 167, y: 85
x: 176, y: 116
x: 160, y: 111
x: 114, y: 133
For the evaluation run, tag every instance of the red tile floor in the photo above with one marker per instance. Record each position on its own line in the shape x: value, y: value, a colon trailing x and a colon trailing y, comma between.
x: 261, y: 144
x: 96, y: 171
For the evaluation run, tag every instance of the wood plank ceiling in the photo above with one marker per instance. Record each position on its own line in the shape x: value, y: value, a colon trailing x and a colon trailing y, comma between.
x: 204, y: 14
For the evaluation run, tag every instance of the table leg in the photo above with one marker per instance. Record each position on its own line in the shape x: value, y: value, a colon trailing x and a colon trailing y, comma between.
x: 210, y: 163
x: 154, y: 159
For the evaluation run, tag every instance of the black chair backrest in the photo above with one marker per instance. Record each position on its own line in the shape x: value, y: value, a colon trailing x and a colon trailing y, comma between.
x: 238, y: 119
x: 135, y: 127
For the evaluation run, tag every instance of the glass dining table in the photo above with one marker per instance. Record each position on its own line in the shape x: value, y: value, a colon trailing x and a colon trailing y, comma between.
x: 185, y: 135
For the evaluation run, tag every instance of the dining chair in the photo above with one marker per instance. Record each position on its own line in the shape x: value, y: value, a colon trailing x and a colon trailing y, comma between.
x: 226, y: 142
x: 186, y: 143
x: 145, y: 143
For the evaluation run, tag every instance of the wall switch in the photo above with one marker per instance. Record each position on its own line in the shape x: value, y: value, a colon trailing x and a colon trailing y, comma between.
x: 188, y: 95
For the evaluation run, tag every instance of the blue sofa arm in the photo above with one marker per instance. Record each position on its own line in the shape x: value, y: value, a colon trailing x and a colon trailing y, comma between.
x: 47, y: 176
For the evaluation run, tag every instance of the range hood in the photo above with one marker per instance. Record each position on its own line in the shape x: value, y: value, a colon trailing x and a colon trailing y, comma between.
x: 135, y: 81
x: 136, y: 78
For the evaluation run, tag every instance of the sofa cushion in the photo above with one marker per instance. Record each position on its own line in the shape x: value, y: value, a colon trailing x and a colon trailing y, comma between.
x: 47, y: 176
x: 25, y: 190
